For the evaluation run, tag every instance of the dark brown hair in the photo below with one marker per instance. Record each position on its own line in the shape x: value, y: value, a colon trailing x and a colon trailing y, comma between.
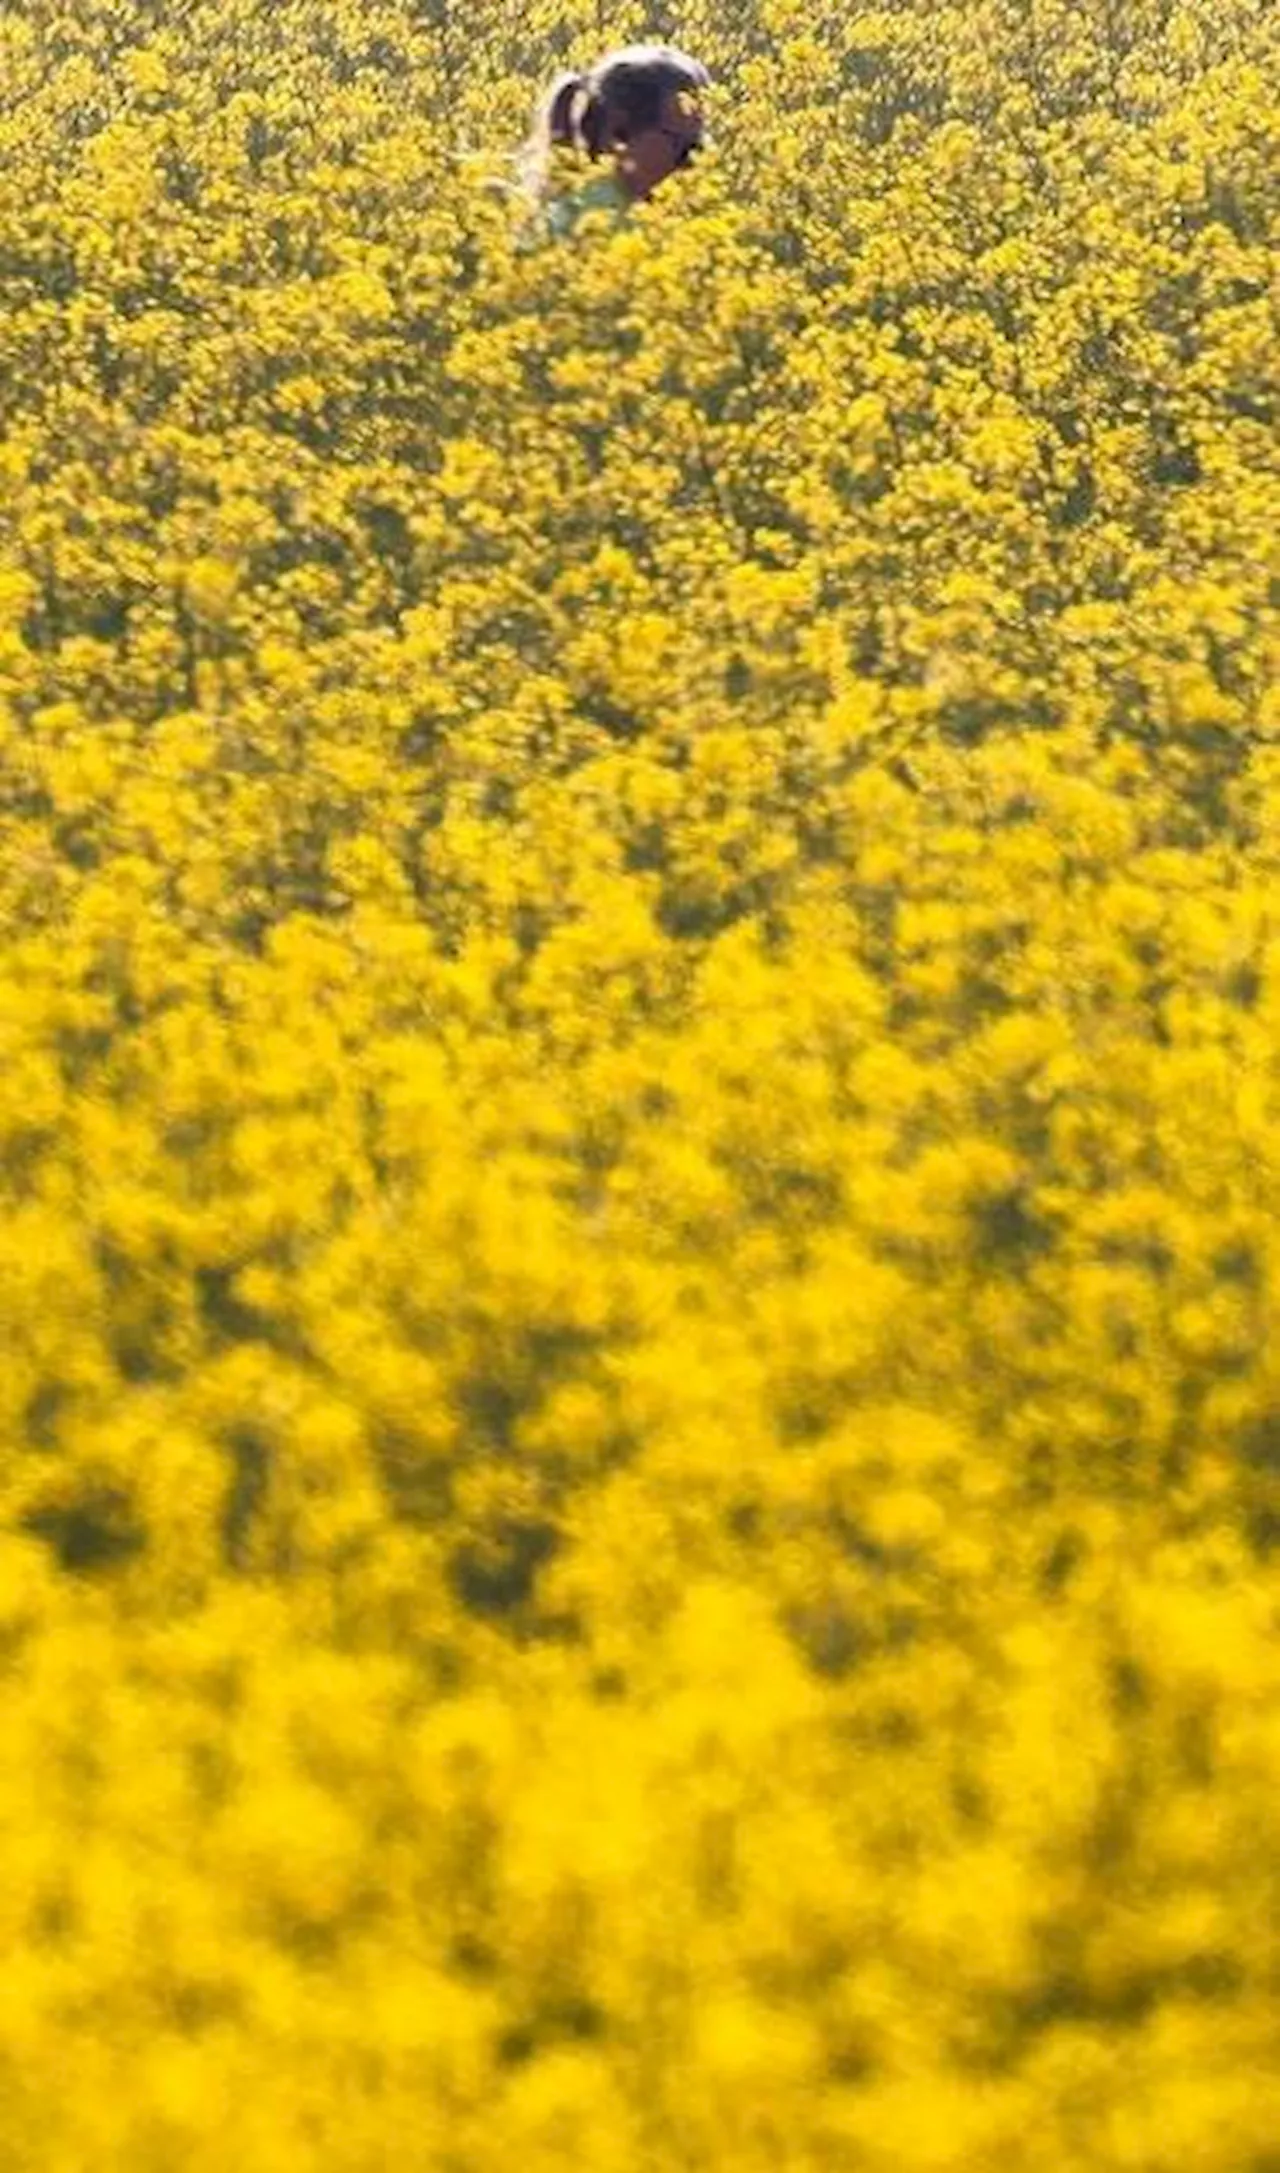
x: 623, y: 94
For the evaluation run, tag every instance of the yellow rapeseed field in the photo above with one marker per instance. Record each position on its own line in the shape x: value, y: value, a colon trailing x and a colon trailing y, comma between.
x: 639, y: 1096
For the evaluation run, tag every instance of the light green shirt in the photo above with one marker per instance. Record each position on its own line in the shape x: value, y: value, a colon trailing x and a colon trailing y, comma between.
x: 602, y: 193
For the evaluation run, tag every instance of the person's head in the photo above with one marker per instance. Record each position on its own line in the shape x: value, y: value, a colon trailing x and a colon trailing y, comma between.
x: 640, y: 106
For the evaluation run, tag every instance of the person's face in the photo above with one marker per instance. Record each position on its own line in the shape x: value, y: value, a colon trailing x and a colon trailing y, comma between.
x: 647, y: 157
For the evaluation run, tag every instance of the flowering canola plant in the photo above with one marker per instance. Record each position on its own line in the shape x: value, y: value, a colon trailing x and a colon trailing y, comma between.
x: 639, y: 1122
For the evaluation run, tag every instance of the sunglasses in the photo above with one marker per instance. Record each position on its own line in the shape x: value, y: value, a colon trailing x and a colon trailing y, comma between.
x: 684, y: 147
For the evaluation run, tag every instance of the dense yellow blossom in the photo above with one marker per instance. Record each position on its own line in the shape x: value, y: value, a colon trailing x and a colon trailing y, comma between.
x: 638, y: 1097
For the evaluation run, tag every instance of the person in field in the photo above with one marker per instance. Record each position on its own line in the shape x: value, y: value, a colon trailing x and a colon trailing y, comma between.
x: 636, y: 116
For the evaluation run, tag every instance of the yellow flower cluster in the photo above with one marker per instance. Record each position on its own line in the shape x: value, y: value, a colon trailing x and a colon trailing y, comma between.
x: 638, y: 1109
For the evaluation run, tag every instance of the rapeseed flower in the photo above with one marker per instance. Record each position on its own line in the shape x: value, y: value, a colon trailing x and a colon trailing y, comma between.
x: 638, y: 1116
